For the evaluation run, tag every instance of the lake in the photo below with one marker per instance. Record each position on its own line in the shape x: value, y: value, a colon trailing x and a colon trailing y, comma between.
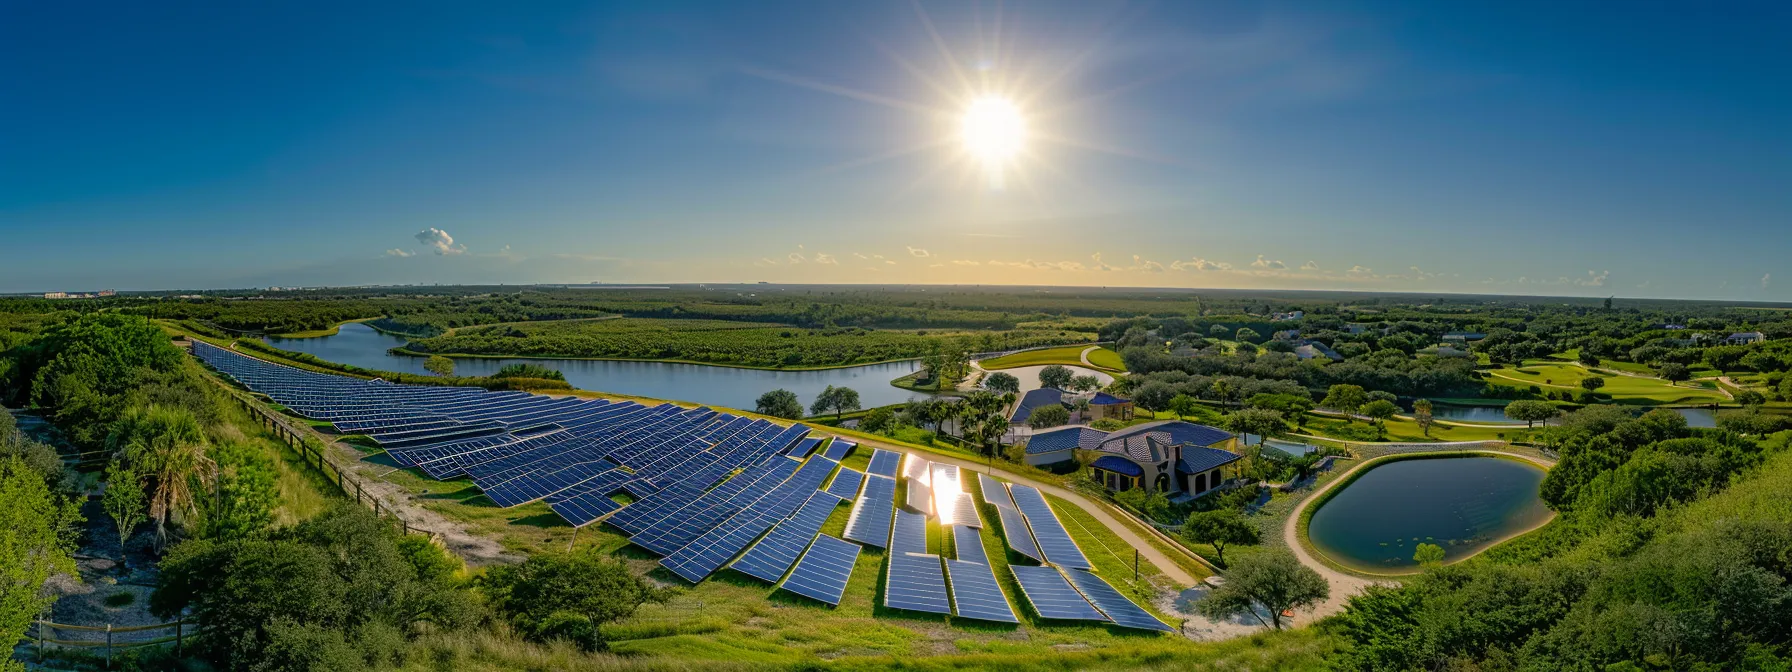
x: 1463, y: 504
x: 1496, y: 415
x: 366, y: 347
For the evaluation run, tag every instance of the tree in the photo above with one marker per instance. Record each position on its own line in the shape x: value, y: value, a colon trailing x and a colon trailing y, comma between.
x: 568, y: 595
x: 123, y: 501
x: 1531, y: 411
x: 1675, y: 372
x: 1592, y: 383
x: 1379, y: 411
x: 439, y: 365
x: 1750, y: 398
x: 1183, y: 405
x: 1588, y: 358
x: 168, y: 447
x: 836, y: 399
x: 1273, y: 579
x: 1001, y: 382
x: 1084, y: 383
x: 1260, y: 421
x: 241, y: 502
x: 37, y: 537
x: 1428, y: 555
x: 1421, y: 415
x: 780, y: 403
x: 1218, y: 528
x: 1345, y: 398
x: 1048, y: 416
x: 1246, y: 335
x: 1055, y: 376
x: 1219, y: 331
x: 879, y: 420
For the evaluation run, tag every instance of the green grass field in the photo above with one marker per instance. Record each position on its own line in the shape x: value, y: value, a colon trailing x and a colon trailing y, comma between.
x: 1622, y: 389
x: 1406, y: 431
x: 1068, y: 356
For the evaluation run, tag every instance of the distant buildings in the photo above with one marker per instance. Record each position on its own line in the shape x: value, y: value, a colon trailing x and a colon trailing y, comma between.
x: 75, y: 295
x: 1746, y: 338
x: 1284, y: 317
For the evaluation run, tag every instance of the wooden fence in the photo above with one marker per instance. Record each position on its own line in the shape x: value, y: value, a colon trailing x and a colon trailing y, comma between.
x: 45, y: 635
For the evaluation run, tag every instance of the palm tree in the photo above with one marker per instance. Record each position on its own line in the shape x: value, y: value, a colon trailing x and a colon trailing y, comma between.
x: 169, y: 447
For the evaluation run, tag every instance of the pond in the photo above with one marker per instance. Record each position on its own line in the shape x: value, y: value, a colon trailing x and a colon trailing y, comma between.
x: 1483, y: 415
x: 1463, y: 504
x: 1698, y: 417
x: 366, y: 347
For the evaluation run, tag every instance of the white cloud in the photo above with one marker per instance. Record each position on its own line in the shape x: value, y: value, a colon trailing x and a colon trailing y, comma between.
x: 1766, y: 278
x: 1360, y: 270
x: 439, y: 241
x: 796, y: 257
x: 964, y: 262
x: 1594, y: 279
x: 1099, y: 264
x: 825, y: 259
x: 918, y: 252
x: 1270, y: 264
x: 1199, y: 264
x: 766, y: 261
x: 860, y: 256
x: 1310, y: 266
x: 889, y: 262
x: 1152, y: 266
x: 399, y: 253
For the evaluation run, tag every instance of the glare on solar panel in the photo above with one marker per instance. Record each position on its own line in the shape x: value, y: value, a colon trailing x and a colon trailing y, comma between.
x: 824, y: 570
x: 961, y: 510
x: 917, y: 583
x: 1052, y: 596
x: 1120, y: 610
x: 975, y: 593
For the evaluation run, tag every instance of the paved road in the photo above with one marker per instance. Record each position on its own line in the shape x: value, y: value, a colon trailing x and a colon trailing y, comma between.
x: 1344, y: 586
x: 1098, y: 510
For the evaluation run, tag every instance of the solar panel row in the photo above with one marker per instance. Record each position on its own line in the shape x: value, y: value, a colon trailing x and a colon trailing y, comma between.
x: 824, y: 570
x: 771, y: 556
x: 884, y: 463
x: 917, y: 583
x: 1054, y: 541
x: 869, y: 523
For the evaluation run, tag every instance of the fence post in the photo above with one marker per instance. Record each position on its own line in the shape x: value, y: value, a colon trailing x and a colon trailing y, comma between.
x: 180, y: 640
x: 108, y: 646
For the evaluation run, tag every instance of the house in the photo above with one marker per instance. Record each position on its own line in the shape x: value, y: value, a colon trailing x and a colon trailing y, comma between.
x: 1172, y: 456
x: 1464, y: 336
x: 1285, y: 317
x: 1314, y: 349
x: 1104, y: 406
x: 1034, y: 400
x: 1355, y: 328
x: 1057, y: 445
x: 1746, y: 338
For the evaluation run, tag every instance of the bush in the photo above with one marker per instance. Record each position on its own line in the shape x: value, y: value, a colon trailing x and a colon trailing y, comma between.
x: 567, y: 596
x: 879, y: 420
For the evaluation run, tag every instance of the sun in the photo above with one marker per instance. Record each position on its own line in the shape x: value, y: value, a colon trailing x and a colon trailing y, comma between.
x: 993, y: 131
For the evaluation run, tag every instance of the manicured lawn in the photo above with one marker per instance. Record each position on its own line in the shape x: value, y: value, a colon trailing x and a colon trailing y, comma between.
x: 1622, y: 389
x: 1068, y: 356
x: 1407, y: 431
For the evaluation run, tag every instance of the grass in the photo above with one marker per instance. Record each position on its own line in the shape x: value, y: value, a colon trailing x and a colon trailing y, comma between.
x: 1621, y: 389
x: 1406, y: 431
x: 1102, y: 358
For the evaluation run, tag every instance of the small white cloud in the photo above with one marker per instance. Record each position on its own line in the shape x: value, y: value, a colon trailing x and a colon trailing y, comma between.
x: 765, y: 261
x: 1269, y: 264
x: 964, y: 262
x: 825, y: 259
x: 1594, y: 279
x: 1099, y: 264
x: 1766, y: 279
x: 1199, y: 264
x: 399, y: 253
x: 796, y: 257
x: 1310, y: 266
x: 890, y: 262
x: 1152, y: 266
x: 1360, y: 270
x: 860, y: 256
x: 439, y: 241
x: 918, y: 252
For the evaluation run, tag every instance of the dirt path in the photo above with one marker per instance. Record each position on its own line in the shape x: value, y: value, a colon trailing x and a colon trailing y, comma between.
x: 1344, y: 586
x: 1084, y: 355
x: 1100, y: 512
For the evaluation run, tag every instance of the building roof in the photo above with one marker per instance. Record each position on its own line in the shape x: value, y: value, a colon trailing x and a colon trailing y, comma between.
x: 1748, y: 335
x: 1150, y: 442
x: 1035, y: 399
x: 1198, y: 459
x: 1314, y: 350
x: 1118, y: 465
x: 1065, y: 438
x: 1105, y: 399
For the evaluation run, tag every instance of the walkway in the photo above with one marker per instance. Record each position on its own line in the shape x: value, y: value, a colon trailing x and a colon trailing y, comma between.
x: 1084, y: 355
x: 1344, y: 586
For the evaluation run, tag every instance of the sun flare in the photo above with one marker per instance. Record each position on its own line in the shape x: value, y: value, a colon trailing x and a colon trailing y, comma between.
x: 993, y: 131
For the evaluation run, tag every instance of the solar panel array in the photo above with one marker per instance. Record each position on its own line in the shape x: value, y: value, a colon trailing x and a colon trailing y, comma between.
x: 839, y: 450
x: 1121, y: 611
x: 823, y: 571
x: 1052, y: 595
x: 994, y: 492
x: 846, y: 484
x: 804, y: 447
x: 772, y: 556
x: 909, y: 534
x: 917, y: 472
x: 967, y: 544
x: 975, y: 593
x: 1054, y: 541
x: 869, y: 523
x: 1014, y: 529
x: 917, y: 583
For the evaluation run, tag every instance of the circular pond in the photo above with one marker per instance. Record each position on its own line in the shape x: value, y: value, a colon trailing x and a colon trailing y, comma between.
x: 1463, y: 504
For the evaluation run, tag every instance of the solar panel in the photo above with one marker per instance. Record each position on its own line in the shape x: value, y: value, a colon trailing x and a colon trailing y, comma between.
x: 994, y: 492
x: 869, y: 523
x: 1121, y: 611
x: 943, y: 482
x: 916, y: 472
x: 916, y: 583
x: 1014, y: 530
x: 967, y: 544
x: 771, y: 557
x: 975, y: 593
x: 961, y: 510
x: 909, y: 534
x: 838, y: 450
x: 1052, y: 596
x: 1054, y: 541
x: 804, y: 447
x: 846, y: 483
x: 824, y: 569
x: 885, y: 463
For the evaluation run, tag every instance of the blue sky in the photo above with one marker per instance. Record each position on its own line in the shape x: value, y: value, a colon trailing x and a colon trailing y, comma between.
x: 1509, y: 147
